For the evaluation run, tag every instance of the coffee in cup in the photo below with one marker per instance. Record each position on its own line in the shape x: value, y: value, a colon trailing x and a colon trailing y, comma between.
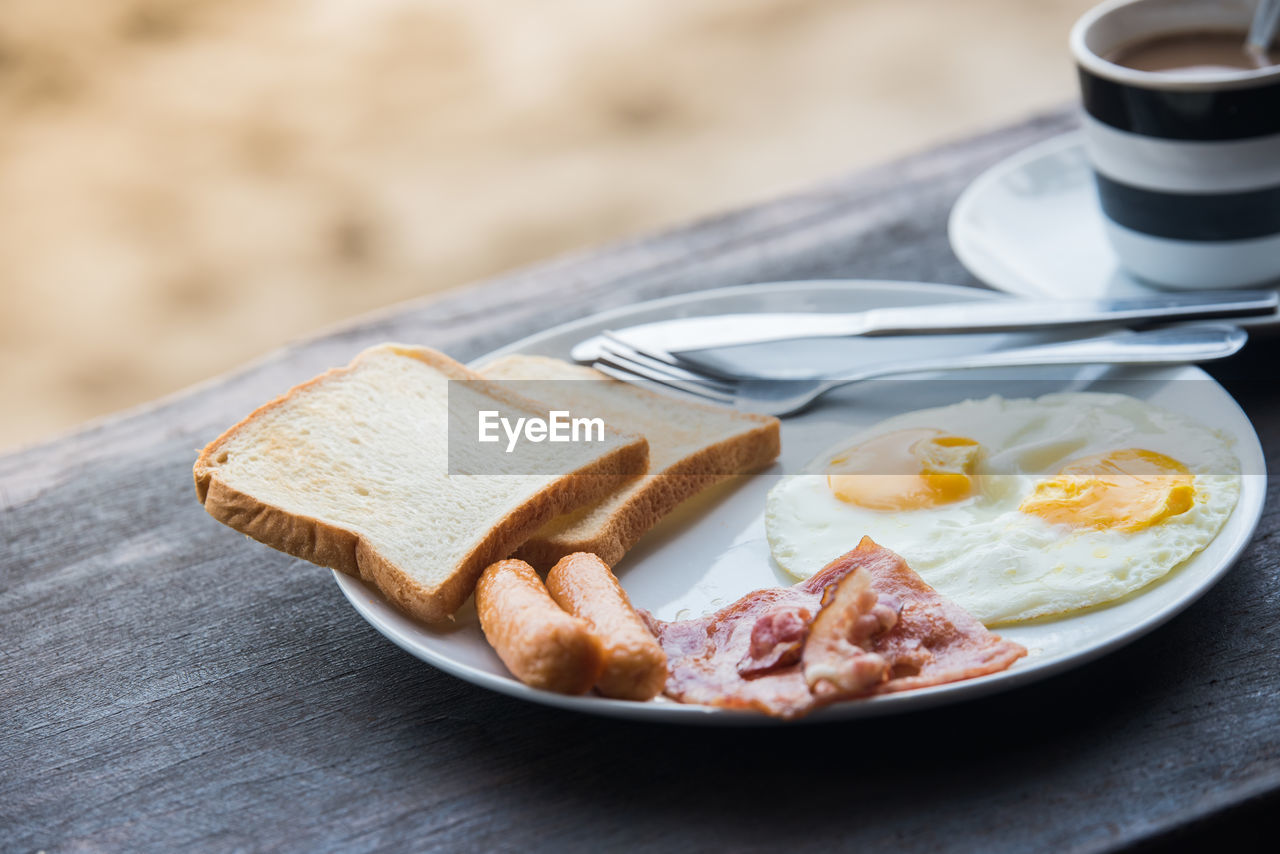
x: 1182, y: 129
x: 1194, y: 52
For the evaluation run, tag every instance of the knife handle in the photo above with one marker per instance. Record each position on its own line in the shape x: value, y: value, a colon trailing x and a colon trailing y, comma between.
x: 1014, y: 315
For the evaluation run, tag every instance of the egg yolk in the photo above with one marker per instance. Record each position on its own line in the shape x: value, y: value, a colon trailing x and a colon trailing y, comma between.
x: 1125, y: 490
x: 905, y: 470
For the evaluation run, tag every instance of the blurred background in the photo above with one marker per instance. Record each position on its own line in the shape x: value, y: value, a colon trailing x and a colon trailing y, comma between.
x: 186, y: 184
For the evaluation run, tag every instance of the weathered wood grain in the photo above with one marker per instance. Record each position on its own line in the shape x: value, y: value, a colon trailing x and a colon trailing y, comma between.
x: 168, y: 685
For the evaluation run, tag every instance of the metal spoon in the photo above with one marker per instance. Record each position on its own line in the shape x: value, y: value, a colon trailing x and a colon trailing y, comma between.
x: 1266, y: 18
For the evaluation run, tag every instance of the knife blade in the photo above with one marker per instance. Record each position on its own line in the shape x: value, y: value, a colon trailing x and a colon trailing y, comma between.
x: 688, y: 334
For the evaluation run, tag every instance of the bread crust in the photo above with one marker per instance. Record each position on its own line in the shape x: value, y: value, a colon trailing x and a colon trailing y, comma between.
x: 657, y: 495
x: 745, y: 452
x: 345, y: 550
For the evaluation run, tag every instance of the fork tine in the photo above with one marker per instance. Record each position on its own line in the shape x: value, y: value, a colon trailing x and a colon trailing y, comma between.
x: 660, y: 363
x: 653, y: 353
x: 621, y: 369
x: 700, y: 369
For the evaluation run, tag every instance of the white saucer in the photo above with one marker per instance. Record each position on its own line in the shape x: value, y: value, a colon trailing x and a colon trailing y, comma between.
x: 1030, y: 226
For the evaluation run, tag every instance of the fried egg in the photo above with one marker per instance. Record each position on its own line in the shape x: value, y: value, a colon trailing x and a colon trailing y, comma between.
x: 1016, y: 509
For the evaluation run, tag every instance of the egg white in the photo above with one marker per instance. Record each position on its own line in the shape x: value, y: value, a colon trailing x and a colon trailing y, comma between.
x: 998, y: 563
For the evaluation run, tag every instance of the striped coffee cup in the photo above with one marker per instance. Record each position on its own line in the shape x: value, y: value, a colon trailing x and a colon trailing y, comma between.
x: 1187, y: 164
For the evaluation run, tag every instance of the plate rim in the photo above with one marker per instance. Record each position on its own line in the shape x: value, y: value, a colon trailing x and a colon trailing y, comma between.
x: 367, y: 601
x: 974, y: 291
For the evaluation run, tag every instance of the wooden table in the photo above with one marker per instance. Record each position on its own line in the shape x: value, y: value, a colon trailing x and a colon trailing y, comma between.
x: 167, y: 684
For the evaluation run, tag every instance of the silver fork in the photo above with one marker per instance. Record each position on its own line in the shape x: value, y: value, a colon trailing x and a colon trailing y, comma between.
x: 1173, y: 345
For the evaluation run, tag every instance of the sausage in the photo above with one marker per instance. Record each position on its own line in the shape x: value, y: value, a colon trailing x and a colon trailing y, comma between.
x: 635, y: 667
x: 538, y: 642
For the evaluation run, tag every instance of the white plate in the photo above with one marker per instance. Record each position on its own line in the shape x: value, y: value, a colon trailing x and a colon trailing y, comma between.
x: 1031, y: 226
x: 712, y: 549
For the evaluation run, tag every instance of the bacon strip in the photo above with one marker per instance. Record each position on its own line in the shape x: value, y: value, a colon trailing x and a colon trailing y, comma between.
x: 753, y: 654
x: 837, y: 660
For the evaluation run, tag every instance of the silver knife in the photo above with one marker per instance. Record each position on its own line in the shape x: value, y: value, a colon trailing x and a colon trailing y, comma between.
x: 687, y: 334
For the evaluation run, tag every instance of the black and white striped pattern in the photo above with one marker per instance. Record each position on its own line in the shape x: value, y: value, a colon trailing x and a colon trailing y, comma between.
x: 1187, y: 168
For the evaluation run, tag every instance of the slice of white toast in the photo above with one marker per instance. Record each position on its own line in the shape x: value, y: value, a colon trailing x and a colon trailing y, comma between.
x: 691, y: 447
x: 352, y: 471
